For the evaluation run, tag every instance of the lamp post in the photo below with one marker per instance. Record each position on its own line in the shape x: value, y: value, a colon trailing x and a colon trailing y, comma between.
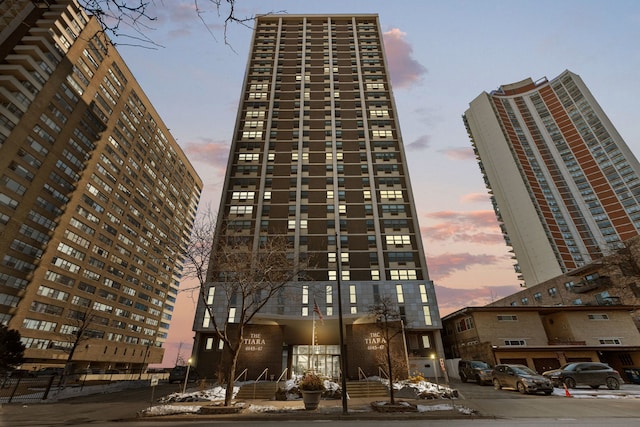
x: 343, y: 350
x: 186, y: 378
x: 435, y: 368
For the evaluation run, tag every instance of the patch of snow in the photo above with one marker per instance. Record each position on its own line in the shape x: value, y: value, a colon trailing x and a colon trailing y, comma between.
x: 159, y: 410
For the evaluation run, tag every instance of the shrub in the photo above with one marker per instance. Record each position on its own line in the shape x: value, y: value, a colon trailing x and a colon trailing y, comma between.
x: 311, y: 382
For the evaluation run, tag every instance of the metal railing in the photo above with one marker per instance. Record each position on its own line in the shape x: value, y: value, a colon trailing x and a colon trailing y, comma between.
x: 265, y: 372
x: 246, y: 370
x: 280, y: 377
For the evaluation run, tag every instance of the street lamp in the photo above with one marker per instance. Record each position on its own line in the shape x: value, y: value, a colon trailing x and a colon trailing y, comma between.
x: 435, y: 368
x: 186, y: 378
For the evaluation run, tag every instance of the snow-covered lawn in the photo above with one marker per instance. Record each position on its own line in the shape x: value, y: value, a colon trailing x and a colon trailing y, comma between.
x: 174, y: 403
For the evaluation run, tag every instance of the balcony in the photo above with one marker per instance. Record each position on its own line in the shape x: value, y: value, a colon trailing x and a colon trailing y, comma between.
x: 589, y: 285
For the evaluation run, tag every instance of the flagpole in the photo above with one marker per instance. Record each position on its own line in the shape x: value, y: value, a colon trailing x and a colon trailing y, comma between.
x: 343, y: 349
x: 313, y: 340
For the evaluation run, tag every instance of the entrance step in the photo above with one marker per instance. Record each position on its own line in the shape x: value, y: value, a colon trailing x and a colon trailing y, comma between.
x: 367, y: 389
x: 266, y: 390
x: 261, y: 390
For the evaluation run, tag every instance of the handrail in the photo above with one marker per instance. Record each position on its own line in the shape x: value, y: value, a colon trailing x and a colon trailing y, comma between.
x: 360, y: 371
x: 282, y: 374
x: 280, y: 377
x: 241, y: 374
x: 266, y: 370
x: 382, y: 371
x: 361, y: 374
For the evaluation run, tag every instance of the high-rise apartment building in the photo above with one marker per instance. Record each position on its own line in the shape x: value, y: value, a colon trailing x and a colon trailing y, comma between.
x: 563, y: 182
x: 317, y: 156
x: 96, y: 197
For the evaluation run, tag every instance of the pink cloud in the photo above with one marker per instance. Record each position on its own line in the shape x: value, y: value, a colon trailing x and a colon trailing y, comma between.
x: 463, y: 153
x: 452, y: 299
x: 475, y: 198
x: 404, y: 70
x: 446, y: 264
x: 473, y: 227
x: 212, y: 152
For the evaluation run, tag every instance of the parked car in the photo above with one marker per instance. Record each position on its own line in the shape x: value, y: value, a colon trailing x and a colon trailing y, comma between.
x: 475, y: 370
x: 522, y: 378
x: 633, y: 375
x: 179, y: 373
x: 47, y: 372
x: 593, y: 374
x: 20, y: 373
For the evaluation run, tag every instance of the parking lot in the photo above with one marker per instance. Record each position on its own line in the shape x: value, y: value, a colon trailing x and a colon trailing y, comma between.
x: 471, y: 390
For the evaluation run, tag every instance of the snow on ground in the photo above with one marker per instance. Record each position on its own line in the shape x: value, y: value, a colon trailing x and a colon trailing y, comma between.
x: 422, y: 388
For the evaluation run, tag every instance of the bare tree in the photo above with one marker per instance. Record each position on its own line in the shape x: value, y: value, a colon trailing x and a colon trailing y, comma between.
x: 245, y: 280
x: 83, y: 320
x: 134, y: 19
x: 388, y: 320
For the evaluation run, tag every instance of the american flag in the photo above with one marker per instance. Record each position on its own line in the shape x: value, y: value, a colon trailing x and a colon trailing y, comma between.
x: 316, y: 309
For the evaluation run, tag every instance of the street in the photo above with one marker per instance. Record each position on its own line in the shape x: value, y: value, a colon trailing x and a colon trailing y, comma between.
x: 490, y: 408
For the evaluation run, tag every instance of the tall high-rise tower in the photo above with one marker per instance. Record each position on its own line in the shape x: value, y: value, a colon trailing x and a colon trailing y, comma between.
x: 563, y: 182
x: 96, y: 197
x: 317, y: 156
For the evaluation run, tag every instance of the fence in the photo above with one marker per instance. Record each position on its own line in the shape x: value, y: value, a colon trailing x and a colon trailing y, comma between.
x: 34, y: 389
x: 26, y: 389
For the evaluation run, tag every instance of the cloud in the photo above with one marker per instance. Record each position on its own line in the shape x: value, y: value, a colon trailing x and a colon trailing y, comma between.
x: 472, y: 227
x: 423, y: 142
x: 404, y: 70
x: 446, y: 264
x: 212, y: 152
x: 475, y: 198
x: 462, y: 153
x: 452, y: 299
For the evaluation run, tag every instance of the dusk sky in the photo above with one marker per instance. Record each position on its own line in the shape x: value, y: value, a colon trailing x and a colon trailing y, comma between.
x: 441, y: 54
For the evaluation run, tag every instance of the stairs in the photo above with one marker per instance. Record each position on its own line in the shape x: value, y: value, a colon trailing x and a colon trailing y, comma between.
x: 366, y: 389
x: 266, y: 390
x: 262, y: 390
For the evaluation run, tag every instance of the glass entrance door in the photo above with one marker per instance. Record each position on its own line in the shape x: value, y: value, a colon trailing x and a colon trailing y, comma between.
x: 323, y: 359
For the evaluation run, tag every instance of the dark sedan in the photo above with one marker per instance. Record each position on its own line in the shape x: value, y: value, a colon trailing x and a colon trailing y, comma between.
x: 593, y: 374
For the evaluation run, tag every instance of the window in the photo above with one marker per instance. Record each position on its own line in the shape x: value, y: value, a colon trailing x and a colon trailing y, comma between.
x: 243, y: 195
x: 426, y: 311
x: 209, y: 343
x: 251, y: 134
x: 391, y: 194
x: 464, y: 324
x: 409, y: 274
x: 507, y: 317
x: 515, y: 342
x: 598, y: 317
x: 552, y: 291
x: 424, y: 297
x: 610, y: 341
x: 537, y: 296
x: 399, y: 294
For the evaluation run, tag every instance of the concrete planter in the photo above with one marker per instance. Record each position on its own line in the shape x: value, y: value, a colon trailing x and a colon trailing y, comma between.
x: 311, y: 399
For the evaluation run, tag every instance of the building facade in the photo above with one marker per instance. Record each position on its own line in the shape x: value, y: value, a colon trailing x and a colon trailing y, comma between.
x: 317, y: 156
x: 563, y: 182
x: 96, y: 197
x: 543, y: 338
x: 609, y: 281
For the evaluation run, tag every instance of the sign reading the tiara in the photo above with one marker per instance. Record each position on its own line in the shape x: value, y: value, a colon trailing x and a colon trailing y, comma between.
x: 255, y: 342
x: 374, y: 341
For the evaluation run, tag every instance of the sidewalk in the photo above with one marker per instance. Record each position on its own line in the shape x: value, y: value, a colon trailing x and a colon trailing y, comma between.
x: 359, y: 408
